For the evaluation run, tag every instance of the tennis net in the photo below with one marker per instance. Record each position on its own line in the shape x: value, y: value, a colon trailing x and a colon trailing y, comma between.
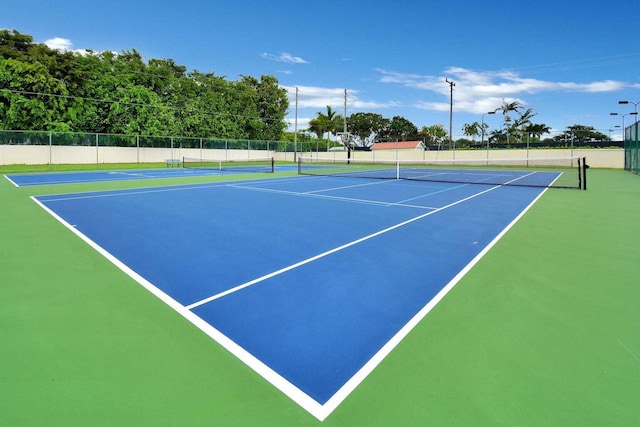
x: 560, y: 172
x: 263, y: 165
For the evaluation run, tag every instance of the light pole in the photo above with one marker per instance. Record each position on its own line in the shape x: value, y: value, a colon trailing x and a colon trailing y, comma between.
x: 611, y: 130
x: 635, y: 107
x: 623, y: 115
x: 295, y: 131
x: 482, y: 130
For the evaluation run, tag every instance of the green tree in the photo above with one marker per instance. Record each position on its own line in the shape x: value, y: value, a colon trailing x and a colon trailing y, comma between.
x: 138, y: 111
x: 581, y: 133
x: 399, y: 129
x: 519, y: 126
x: 522, y: 123
x: 498, y: 135
x: 244, y: 110
x: 30, y: 98
x: 112, y: 93
x: 162, y: 76
x: 434, y: 135
x: 364, y: 124
x: 14, y: 45
x: 472, y: 129
x: 272, y: 105
x: 203, y: 104
x: 93, y: 98
x: 331, y: 122
x: 535, y: 131
x: 507, y: 108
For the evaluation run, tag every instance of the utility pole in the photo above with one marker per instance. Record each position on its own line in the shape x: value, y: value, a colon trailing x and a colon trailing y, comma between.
x: 344, y: 134
x: 345, y: 112
x: 451, y: 85
x: 295, y: 131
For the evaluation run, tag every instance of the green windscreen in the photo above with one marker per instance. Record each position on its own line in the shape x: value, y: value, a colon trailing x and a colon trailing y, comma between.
x: 632, y: 148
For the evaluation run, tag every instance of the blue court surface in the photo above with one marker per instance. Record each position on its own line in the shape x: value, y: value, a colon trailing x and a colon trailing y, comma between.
x: 48, y: 178
x: 311, y: 281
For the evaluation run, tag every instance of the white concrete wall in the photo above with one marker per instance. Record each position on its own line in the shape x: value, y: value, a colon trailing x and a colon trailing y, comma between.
x: 56, y: 154
x: 44, y: 154
x: 597, y: 158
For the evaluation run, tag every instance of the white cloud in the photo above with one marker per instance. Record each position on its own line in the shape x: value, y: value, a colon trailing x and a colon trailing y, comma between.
x: 320, y: 97
x: 63, y: 45
x: 58, y: 43
x: 481, y: 91
x: 284, y: 57
x: 303, y: 123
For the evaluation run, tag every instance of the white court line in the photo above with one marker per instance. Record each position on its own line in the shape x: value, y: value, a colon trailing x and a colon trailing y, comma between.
x: 135, y: 191
x: 326, y: 196
x: 278, y: 381
x: 322, y: 411
x: 11, y: 181
x: 319, y: 411
x: 315, y: 193
x: 331, y: 251
x: 142, y: 174
x: 402, y: 202
x: 384, y: 351
x: 342, y: 187
x: 127, y: 173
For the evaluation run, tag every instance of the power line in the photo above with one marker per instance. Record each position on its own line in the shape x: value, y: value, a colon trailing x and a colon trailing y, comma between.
x: 604, y: 61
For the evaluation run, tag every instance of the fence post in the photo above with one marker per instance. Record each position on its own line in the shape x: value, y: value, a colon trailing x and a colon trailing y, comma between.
x: 50, y: 152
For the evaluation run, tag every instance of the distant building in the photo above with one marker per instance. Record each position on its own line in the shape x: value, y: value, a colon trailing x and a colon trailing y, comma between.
x: 400, y: 145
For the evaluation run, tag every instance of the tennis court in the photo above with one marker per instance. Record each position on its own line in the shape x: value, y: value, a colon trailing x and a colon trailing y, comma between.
x: 311, y: 281
x: 188, y: 168
x: 542, y: 330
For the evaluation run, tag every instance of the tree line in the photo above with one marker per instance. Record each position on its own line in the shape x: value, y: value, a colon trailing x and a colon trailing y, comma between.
x: 119, y: 93
x: 361, y: 126
x: 517, y: 127
x: 107, y: 92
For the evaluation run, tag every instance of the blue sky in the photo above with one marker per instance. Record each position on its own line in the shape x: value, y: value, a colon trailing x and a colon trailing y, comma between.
x: 570, y: 61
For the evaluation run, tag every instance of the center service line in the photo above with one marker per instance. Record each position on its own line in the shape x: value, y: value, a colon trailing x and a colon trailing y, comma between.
x: 329, y: 252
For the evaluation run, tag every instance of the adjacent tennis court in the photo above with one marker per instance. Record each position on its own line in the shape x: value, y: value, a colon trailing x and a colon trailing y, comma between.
x: 188, y: 168
x: 311, y: 281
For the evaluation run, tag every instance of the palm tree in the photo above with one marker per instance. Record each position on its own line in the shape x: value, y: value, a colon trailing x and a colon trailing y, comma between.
x: 497, y: 135
x: 522, y: 123
x: 537, y: 130
x: 329, y: 123
x: 505, y: 109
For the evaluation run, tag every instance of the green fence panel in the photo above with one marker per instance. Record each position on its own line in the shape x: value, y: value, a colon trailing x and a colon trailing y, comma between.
x: 632, y: 148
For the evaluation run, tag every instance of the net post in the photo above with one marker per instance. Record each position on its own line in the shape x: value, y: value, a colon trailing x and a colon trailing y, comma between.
x: 579, y: 172
x: 397, y: 169
x: 273, y: 165
x: 585, y: 166
x: 299, y: 165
